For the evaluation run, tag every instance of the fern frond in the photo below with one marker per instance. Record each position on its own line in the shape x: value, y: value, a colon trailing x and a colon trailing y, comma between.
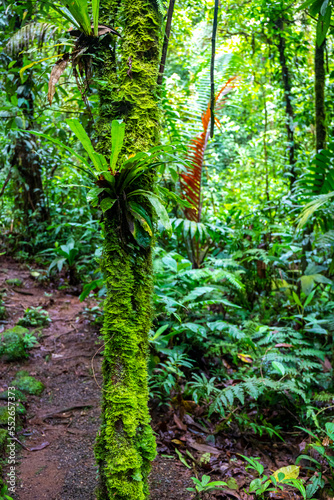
x: 191, y: 180
x: 320, y: 176
x: 26, y: 36
x: 312, y: 207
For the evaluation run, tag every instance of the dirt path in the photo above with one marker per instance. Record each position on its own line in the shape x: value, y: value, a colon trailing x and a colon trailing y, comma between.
x: 66, y: 415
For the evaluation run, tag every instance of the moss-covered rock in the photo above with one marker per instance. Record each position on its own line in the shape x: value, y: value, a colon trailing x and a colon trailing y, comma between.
x: 14, y: 282
x: 6, y: 414
x: 19, y: 396
x: 26, y: 383
x: 12, y: 343
x: 3, y: 441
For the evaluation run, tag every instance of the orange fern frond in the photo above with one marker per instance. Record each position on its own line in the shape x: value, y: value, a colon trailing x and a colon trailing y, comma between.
x: 191, y: 180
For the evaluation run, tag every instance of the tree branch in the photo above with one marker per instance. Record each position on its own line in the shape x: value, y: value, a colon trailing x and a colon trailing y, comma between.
x: 5, y: 183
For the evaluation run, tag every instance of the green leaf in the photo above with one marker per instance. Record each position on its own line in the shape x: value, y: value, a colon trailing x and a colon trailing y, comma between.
x: 278, y: 367
x: 231, y: 483
x: 323, y: 25
x: 182, y: 459
x: 95, y: 8
x: 142, y: 216
x: 158, y: 207
x: 106, y: 204
x: 307, y: 283
x: 306, y: 457
x: 79, y: 10
x: 296, y: 299
x: 97, y: 159
x: 117, y: 138
x: 309, y: 298
x: 60, y: 144
x: 205, y: 480
x: 30, y: 65
x: 254, y: 485
x: 330, y: 429
x: 88, y: 287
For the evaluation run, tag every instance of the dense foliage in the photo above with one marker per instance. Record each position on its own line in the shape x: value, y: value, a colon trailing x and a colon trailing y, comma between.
x: 243, y: 303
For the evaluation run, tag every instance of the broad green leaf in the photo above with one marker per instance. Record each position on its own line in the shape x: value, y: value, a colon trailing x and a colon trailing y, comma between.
x: 79, y: 10
x: 142, y: 216
x: 296, y: 299
x: 289, y: 472
x: 95, y: 8
x: 197, y: 292
x: 309, y: 298
x: 306, y: 457
x: 330, y: 429
x: 93, y: 194
x: 117, y: 138
x: 323, y: 25
x: 214, y: 484
x: 231, y: 483
x: 278, y: 367
x: 307, y: 283
x: 205, y: 480
x: 158, y: 207
x: 106, y: 204
x: 254, y: 485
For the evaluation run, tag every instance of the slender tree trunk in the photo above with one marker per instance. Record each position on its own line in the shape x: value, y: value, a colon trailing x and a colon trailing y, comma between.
x: 286, y: 79
x: 125, y: 445
x: 166, y: 41
x: 212, y: 69
x: 319, y: 88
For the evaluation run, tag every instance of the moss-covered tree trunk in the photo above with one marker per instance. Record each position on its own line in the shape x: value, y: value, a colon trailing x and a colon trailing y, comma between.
x: 128, y: 69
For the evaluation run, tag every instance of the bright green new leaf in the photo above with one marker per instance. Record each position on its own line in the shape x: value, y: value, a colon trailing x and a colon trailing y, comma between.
x: 117, y: 138
x: 278, y: 367
x: 79, y: 10
x: 182, y: 459
x: 95, y: 8
x: 98, y: 160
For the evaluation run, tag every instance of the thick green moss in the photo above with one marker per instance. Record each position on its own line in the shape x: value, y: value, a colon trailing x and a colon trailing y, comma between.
x: 3, y: 441
x: 12, y: 344
x: 126, y: 445
x: 25, y: 383
x: 14, y: 282
x: 4, y: 414
x: 19, y: 396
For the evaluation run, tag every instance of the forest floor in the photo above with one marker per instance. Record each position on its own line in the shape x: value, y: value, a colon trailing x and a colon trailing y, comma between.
x: 61, y: 424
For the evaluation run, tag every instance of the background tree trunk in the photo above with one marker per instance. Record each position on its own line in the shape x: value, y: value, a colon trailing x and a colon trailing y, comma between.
x: 319, y: 89
x: 288, y: 104
x: 126, y: 445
